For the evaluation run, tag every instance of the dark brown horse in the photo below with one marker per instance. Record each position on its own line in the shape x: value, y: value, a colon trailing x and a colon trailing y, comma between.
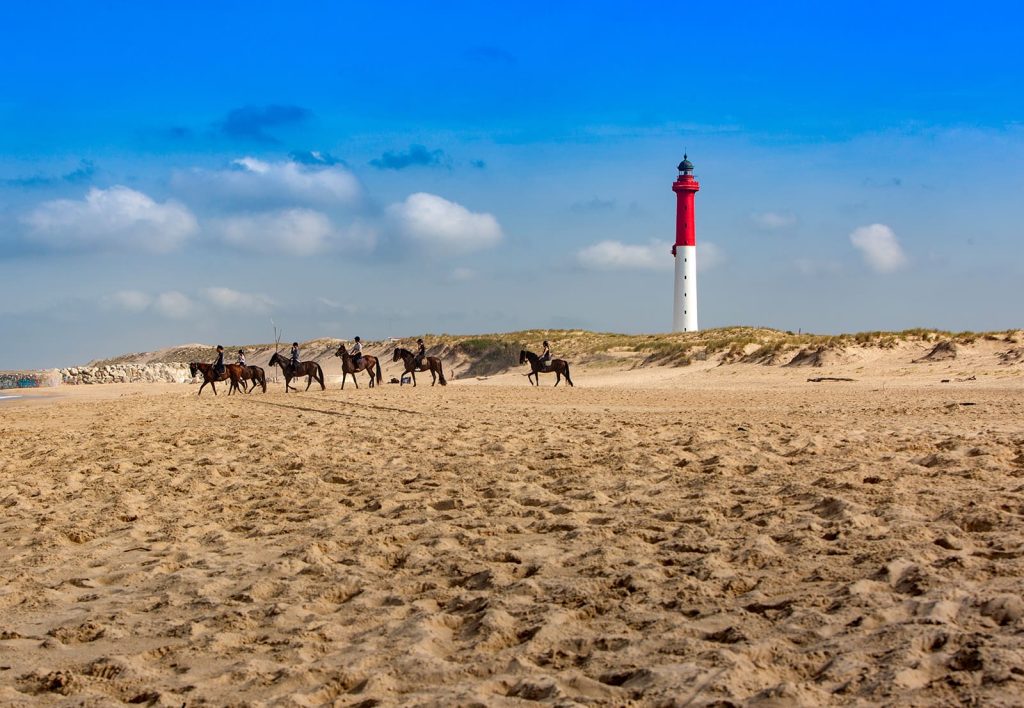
x: 310, y: 369
x: 348, y: 366
x: 429, y: 363
x: 560, y: 367
x: 210, y: 375
x: 254, y: 374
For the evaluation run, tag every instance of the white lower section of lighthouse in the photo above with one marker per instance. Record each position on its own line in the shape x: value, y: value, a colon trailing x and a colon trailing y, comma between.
x: 684, y: 312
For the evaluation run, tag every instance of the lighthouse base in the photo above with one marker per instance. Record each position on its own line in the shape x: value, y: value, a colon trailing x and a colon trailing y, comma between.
x: 684, y: 311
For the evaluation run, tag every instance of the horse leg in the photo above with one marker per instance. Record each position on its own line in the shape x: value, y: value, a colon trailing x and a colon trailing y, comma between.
x: 201, y: 387
x: 433, y: 378
x: 309, y: 381
x: 558, y: 377
x: 213, y: 385
x: 414, y: 377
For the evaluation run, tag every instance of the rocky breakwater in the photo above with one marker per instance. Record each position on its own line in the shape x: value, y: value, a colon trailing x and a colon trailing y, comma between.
x: 126, y: 373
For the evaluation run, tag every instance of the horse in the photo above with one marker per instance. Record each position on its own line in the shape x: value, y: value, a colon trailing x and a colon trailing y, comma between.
x: 429, y: 363
x: 256, y: 375
x: 560, y: 367
x: 210, y: 375
x: 348, y: 366
x: 310, y: 369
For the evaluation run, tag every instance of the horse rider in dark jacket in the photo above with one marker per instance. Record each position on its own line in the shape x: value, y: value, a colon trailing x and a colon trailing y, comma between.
x: 421, y: 354
x: 545, y: 356
x: 295, y: 356
x: 218, y: 366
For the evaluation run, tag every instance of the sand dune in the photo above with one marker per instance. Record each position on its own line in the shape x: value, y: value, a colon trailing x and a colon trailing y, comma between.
x: 716, y: 535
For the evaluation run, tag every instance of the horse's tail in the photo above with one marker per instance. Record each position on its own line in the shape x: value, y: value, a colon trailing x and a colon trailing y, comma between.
x: 263, y: 378
x: 380, y: 376
x: 567, y: 375
x: 440, y: 373
x: 320, y: 376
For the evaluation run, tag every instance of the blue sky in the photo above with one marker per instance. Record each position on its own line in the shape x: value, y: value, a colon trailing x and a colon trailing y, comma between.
x: 185, y: 173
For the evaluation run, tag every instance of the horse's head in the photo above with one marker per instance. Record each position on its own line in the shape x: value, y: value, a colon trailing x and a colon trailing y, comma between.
x: 276, y: 359
x: 193, y: 368
x: 342, y: 351
x: 397, y: 355
x: 522, y: 356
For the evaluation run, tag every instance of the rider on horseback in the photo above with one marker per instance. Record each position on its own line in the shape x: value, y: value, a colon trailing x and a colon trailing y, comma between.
x: 421, y: 354
x: 295, y: 355
x: 357, y: 352
x: 241, y: 357
x: 218, y: 366
x: 545, y: 356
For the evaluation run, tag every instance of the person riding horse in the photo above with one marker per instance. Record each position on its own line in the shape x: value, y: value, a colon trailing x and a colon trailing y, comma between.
x: 218, y: 366
x: 241, y: 357
x: 295, y: 356
x: 545, y: 356
x: 421, y: 354
x: 357, y: 352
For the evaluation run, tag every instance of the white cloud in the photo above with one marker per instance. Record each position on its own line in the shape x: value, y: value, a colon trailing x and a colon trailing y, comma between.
x: 174, y: 304
x: 129, y: 300
x: 615, y: 255
x: 879, y: 247
x: 444, y: 226
x: 274, y: 184
x: 115, y: 218
x: 228, y: 299
x: 462, y: 275
x: 709, y: 256
x: 297, y: 232
x: 346, y: 307
x: 809, y: 266
x: 773, y: 220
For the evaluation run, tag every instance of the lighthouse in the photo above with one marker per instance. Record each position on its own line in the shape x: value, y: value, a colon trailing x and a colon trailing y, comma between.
x: 684, y: 309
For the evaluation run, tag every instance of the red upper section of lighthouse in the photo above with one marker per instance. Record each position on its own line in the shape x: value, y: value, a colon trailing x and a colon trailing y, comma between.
x: 685, y: 187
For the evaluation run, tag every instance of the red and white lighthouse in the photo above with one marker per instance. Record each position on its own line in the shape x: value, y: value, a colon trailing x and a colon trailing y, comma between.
x: 684, y: 311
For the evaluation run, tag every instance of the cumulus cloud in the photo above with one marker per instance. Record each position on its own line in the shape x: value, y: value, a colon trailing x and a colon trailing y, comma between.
x: 174, y: 304
x: 879, y: 247
x: 115, y: 218
x: 298, y: 232
x: 434, y: 222
x: 252, y: 122
x: 808, y: 266
x: 462, y: 275
x: 129, y: 300
x: 228, y: 299
x: 773, y: 220
x: 178, y: 305
x: 415, y: 156
x: 709, y: 256
x: 263, y: 184
x: 615, y: 255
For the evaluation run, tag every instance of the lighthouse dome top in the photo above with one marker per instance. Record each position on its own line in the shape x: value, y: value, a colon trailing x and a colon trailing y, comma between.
x: 685, y: 167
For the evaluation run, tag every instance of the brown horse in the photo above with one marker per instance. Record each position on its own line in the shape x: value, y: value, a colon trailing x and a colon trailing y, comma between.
x: 254, y: 374
x: 310, y: 369
x: 210, y: 375
x: 429, y: 363
x: 560, y: 367
x: 349, y: 366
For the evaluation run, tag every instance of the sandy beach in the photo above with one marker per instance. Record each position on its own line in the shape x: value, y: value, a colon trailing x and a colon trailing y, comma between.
x: 659, y: 537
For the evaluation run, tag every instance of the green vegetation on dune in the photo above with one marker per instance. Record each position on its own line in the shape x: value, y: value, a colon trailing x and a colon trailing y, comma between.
x: 486, y: 354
